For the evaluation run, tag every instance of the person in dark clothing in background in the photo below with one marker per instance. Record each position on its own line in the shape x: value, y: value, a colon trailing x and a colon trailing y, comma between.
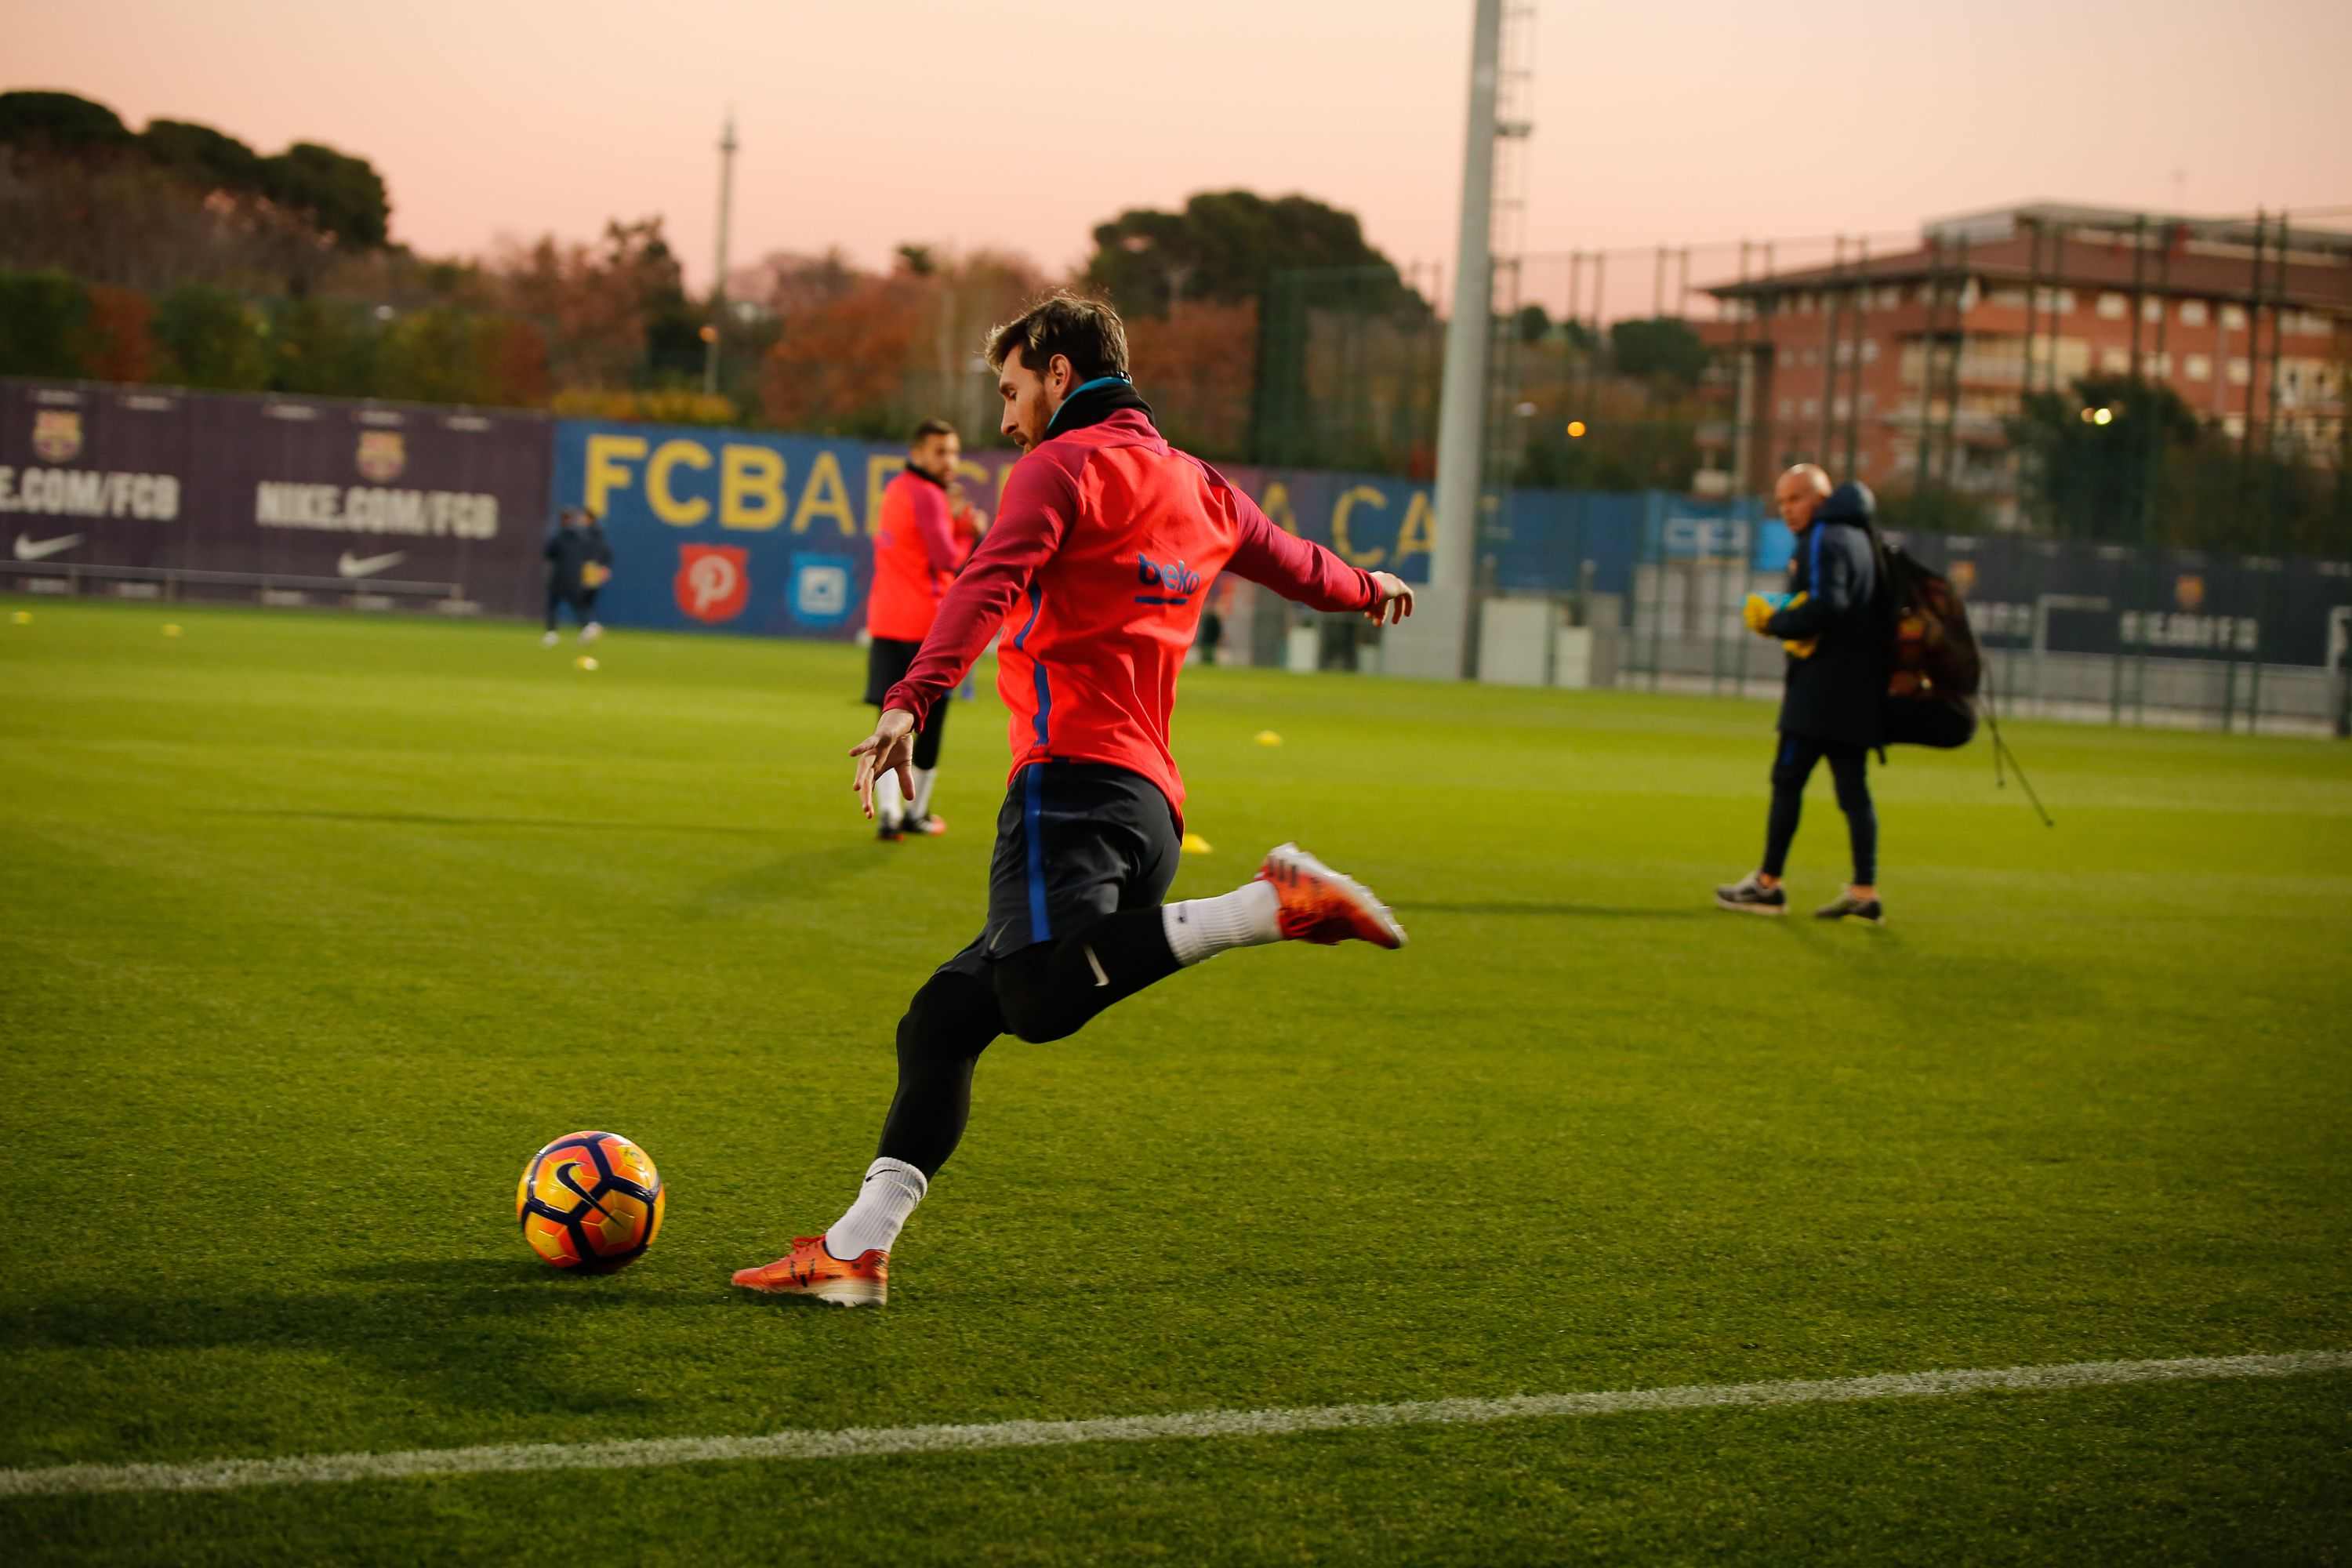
x: 578, y: 560
x: 1833, y: 704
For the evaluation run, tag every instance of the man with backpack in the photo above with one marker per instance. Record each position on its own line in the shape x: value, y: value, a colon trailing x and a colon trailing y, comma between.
x: 1833, y: 704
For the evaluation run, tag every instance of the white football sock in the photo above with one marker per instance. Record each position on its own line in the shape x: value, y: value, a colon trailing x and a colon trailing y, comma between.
x: 888, y: 799
x: 924, y: 779
x: 892, y: 1190
x: 1249, y: 916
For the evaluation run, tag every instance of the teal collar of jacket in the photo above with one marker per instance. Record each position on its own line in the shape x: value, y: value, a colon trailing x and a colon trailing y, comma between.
x: 1092, y: 402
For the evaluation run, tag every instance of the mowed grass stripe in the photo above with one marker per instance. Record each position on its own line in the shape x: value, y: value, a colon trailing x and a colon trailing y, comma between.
x: 864, y: 1442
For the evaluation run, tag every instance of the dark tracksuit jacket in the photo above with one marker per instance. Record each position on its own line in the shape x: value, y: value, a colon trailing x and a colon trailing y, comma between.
x: 1837, y: 696
x: 570, y: 549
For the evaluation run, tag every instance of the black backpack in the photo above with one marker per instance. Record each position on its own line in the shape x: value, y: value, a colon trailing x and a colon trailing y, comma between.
x: 1933, y: 666
x: 1931, y: 652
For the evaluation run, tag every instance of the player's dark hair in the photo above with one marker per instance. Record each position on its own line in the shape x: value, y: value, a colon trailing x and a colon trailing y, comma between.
x: 928, y: 428
x: 1087, y: 332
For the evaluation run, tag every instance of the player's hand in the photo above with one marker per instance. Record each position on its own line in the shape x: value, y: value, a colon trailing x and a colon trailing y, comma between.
x: 1802, y: 650
x: 1395, y: 602
x: 890, y: 749
x: 1756, y: 612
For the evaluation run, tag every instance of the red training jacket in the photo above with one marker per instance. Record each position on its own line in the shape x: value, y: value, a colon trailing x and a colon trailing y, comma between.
x: 1096, y: 571
x: 915, y: 555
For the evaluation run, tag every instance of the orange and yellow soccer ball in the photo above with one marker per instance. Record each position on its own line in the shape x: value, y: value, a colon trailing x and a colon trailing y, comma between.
x: 590, y: 1202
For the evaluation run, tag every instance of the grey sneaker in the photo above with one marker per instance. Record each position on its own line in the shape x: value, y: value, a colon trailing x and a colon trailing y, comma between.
x: 1847, y: 907
x: 1749, y: 897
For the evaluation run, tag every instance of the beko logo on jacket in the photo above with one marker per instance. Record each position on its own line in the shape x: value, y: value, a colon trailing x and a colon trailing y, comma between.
x: 1180, y: 581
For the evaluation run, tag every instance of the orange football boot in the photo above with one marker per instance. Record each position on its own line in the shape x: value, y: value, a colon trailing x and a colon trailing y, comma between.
x: 1318, y: 905
x: 812, y: 1273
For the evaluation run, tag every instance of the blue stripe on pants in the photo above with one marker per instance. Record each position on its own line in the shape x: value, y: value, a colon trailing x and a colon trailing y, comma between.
x: 1040, y: 926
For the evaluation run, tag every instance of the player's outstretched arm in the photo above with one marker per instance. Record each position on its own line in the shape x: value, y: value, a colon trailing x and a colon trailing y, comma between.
x: 1305, y: 572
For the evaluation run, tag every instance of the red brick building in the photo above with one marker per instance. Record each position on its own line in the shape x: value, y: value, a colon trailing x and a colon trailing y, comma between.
x: 1916, y: 359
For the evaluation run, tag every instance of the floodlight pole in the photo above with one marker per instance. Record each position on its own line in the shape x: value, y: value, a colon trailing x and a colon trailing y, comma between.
x: 718, y: 285
x: 1461, y: 402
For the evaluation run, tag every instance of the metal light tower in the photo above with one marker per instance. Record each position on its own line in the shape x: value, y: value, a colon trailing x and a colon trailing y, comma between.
x: 1440, y: 641
x: 715, y: 330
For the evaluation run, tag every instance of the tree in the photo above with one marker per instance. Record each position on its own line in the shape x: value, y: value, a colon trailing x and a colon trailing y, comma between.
x: 44, y: 324
x: 894, y: 350
x: 59, y: 122
x: 1224, y: 246
x: 1532, y: 324
x: 123, y: 339
x: 1937, y: 509
x: 203, y: 156
x: 341, y: 197
x: 325, y: 347
x: 1195, y: 367
x: 1661, y: 349
x: 843, y: 369
x: 790, y: 284
x: 615, y: 315
x: 2093, y: 476
x: 210, y: 337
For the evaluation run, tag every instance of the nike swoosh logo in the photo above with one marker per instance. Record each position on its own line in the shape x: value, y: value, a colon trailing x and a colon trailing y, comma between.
x: 353, y: 566
x: 42, y: 549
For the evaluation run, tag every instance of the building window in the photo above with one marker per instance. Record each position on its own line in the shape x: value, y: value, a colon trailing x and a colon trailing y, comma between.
x: 2151, y: 310
x: 2306, y: 323
x: 2115, y: 361
x: 1844, y: 408
x: 1846, y: 352
x: 2234, y: 425
x: 2158, y: 365
x: 1870, y: 351
x: 1810, y: 356
x: 2192, y: 312
x: 2111, y: 307
x: 1788, y: 406
x: 2233, y: 317
x: 2008, y: 299
x: 1890, y: 296
x: 1812, y: 407
x: 1869, y: 402
x: 2200, y: 368
x: 2239, y: 373
x: 1805, y: 303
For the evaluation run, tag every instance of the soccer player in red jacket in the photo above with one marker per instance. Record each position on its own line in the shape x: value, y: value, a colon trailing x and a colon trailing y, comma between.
x: 1104, y: 544
x: 917, y: 548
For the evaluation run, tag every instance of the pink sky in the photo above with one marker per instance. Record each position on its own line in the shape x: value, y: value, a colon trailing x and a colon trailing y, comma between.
x: 1021, y: 123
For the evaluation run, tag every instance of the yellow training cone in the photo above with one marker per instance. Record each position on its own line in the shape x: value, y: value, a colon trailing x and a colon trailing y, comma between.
x: 170, y: 629
x: 1195, y: 844
x: 23, y: 617
x: 1269, y: 738
x: 586, y: 661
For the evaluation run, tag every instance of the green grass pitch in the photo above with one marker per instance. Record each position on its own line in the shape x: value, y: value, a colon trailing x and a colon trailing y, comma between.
x: 316, y: 928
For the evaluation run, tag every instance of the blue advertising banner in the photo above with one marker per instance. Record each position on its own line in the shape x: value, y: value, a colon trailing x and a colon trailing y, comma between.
x: 743, y: 531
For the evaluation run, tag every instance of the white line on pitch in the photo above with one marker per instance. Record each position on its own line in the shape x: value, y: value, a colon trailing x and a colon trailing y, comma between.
x: 859, y: 1442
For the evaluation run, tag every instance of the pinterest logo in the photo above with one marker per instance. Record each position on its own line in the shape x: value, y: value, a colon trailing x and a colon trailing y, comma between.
x: 713, y: 582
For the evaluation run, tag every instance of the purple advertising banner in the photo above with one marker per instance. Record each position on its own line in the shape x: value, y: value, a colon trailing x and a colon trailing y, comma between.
x: 150, y: 493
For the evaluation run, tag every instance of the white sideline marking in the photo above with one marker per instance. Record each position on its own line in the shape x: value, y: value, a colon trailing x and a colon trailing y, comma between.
x: 860, y: 1442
